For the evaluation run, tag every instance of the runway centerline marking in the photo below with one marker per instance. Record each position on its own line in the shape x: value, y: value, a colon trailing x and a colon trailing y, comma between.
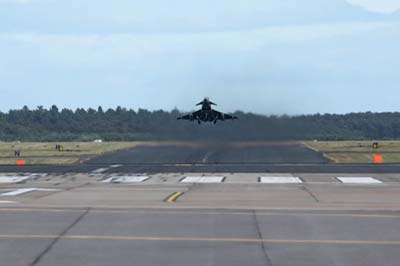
x: 100, y: 170
x: 130, y: 211
x: 205, y: 159
x: 205, y: 239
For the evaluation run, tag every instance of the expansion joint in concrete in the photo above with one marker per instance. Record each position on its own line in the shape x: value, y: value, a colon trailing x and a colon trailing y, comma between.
x: 54, y: 241
x: 312, y: 195
x: 262, y: 243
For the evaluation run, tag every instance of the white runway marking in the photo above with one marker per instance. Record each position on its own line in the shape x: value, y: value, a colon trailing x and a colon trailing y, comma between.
x: 359, y: 180
x: 38, y: 175
x: 13, y: 179
x: 6, y: 202
x: 100, y: 170
x: 115, y: 165
x: 203, y: 179
x: 280, y: 180
x: 20, y: 191
x: 205, y: 159
x: 126, y: 179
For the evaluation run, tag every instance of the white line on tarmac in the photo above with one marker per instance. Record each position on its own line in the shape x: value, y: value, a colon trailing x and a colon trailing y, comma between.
x: 203, y: 179
x: 25, y: 190
x: 100, y: 170
x: 13, y: 179
x: 280, y: 180
x: 125, y: 179
x: 38, y: 175
x: 205, y: 159
x: 7, y: 202
x: 359, y: 180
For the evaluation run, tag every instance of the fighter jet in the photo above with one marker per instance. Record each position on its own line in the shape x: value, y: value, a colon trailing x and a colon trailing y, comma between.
x: 207, y: 114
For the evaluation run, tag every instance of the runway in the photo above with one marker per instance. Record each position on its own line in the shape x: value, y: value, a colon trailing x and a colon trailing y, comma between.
x: 275, y: 157
x: 206, y: 168
x: 131, y: 213
x: 103, y: 219
x: 215, y: 153
x: 162, y: 237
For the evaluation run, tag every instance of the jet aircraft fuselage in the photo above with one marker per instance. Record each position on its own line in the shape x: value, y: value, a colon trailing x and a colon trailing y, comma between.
x: 207, y: 114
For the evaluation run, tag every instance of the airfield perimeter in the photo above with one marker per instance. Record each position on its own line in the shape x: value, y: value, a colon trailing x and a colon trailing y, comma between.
x: 237, y: 204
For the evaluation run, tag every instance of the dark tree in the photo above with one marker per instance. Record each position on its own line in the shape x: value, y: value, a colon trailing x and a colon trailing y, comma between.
x: 125, y: 124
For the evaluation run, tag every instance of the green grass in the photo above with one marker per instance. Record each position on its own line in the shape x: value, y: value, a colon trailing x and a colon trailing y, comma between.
x: 46, y: 153
x: 357, y: 151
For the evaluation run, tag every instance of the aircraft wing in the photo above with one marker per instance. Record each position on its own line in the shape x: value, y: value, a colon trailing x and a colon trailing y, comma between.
x: 230, y: 117
x: 222, y: 116
x: 186, y: 117
x: 190, y: 117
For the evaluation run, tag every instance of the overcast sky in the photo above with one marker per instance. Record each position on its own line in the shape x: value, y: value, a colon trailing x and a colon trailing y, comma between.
x: 263, y: 56
x: 378, y: 5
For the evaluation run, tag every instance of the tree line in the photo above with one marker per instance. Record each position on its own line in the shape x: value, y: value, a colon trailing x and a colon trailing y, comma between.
x: 121, y: 124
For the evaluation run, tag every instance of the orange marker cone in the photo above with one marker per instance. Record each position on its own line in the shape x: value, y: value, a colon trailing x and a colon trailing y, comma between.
x: 20, y: 162
x: 378, y: 158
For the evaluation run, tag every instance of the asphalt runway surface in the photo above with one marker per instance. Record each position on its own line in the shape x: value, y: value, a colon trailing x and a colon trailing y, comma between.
x: 211, y: 157
x: 96, y: 237
x: 205, y: 168
x: 134, y: 207
x: 219, y: 153
x: 87, y: 219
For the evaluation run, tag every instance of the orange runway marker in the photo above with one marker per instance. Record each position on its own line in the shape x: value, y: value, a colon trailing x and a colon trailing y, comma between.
x: 378, y: 158
x: 20, y: 162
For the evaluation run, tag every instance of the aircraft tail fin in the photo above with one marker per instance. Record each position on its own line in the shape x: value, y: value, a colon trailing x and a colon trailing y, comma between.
x: 206, y: 101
